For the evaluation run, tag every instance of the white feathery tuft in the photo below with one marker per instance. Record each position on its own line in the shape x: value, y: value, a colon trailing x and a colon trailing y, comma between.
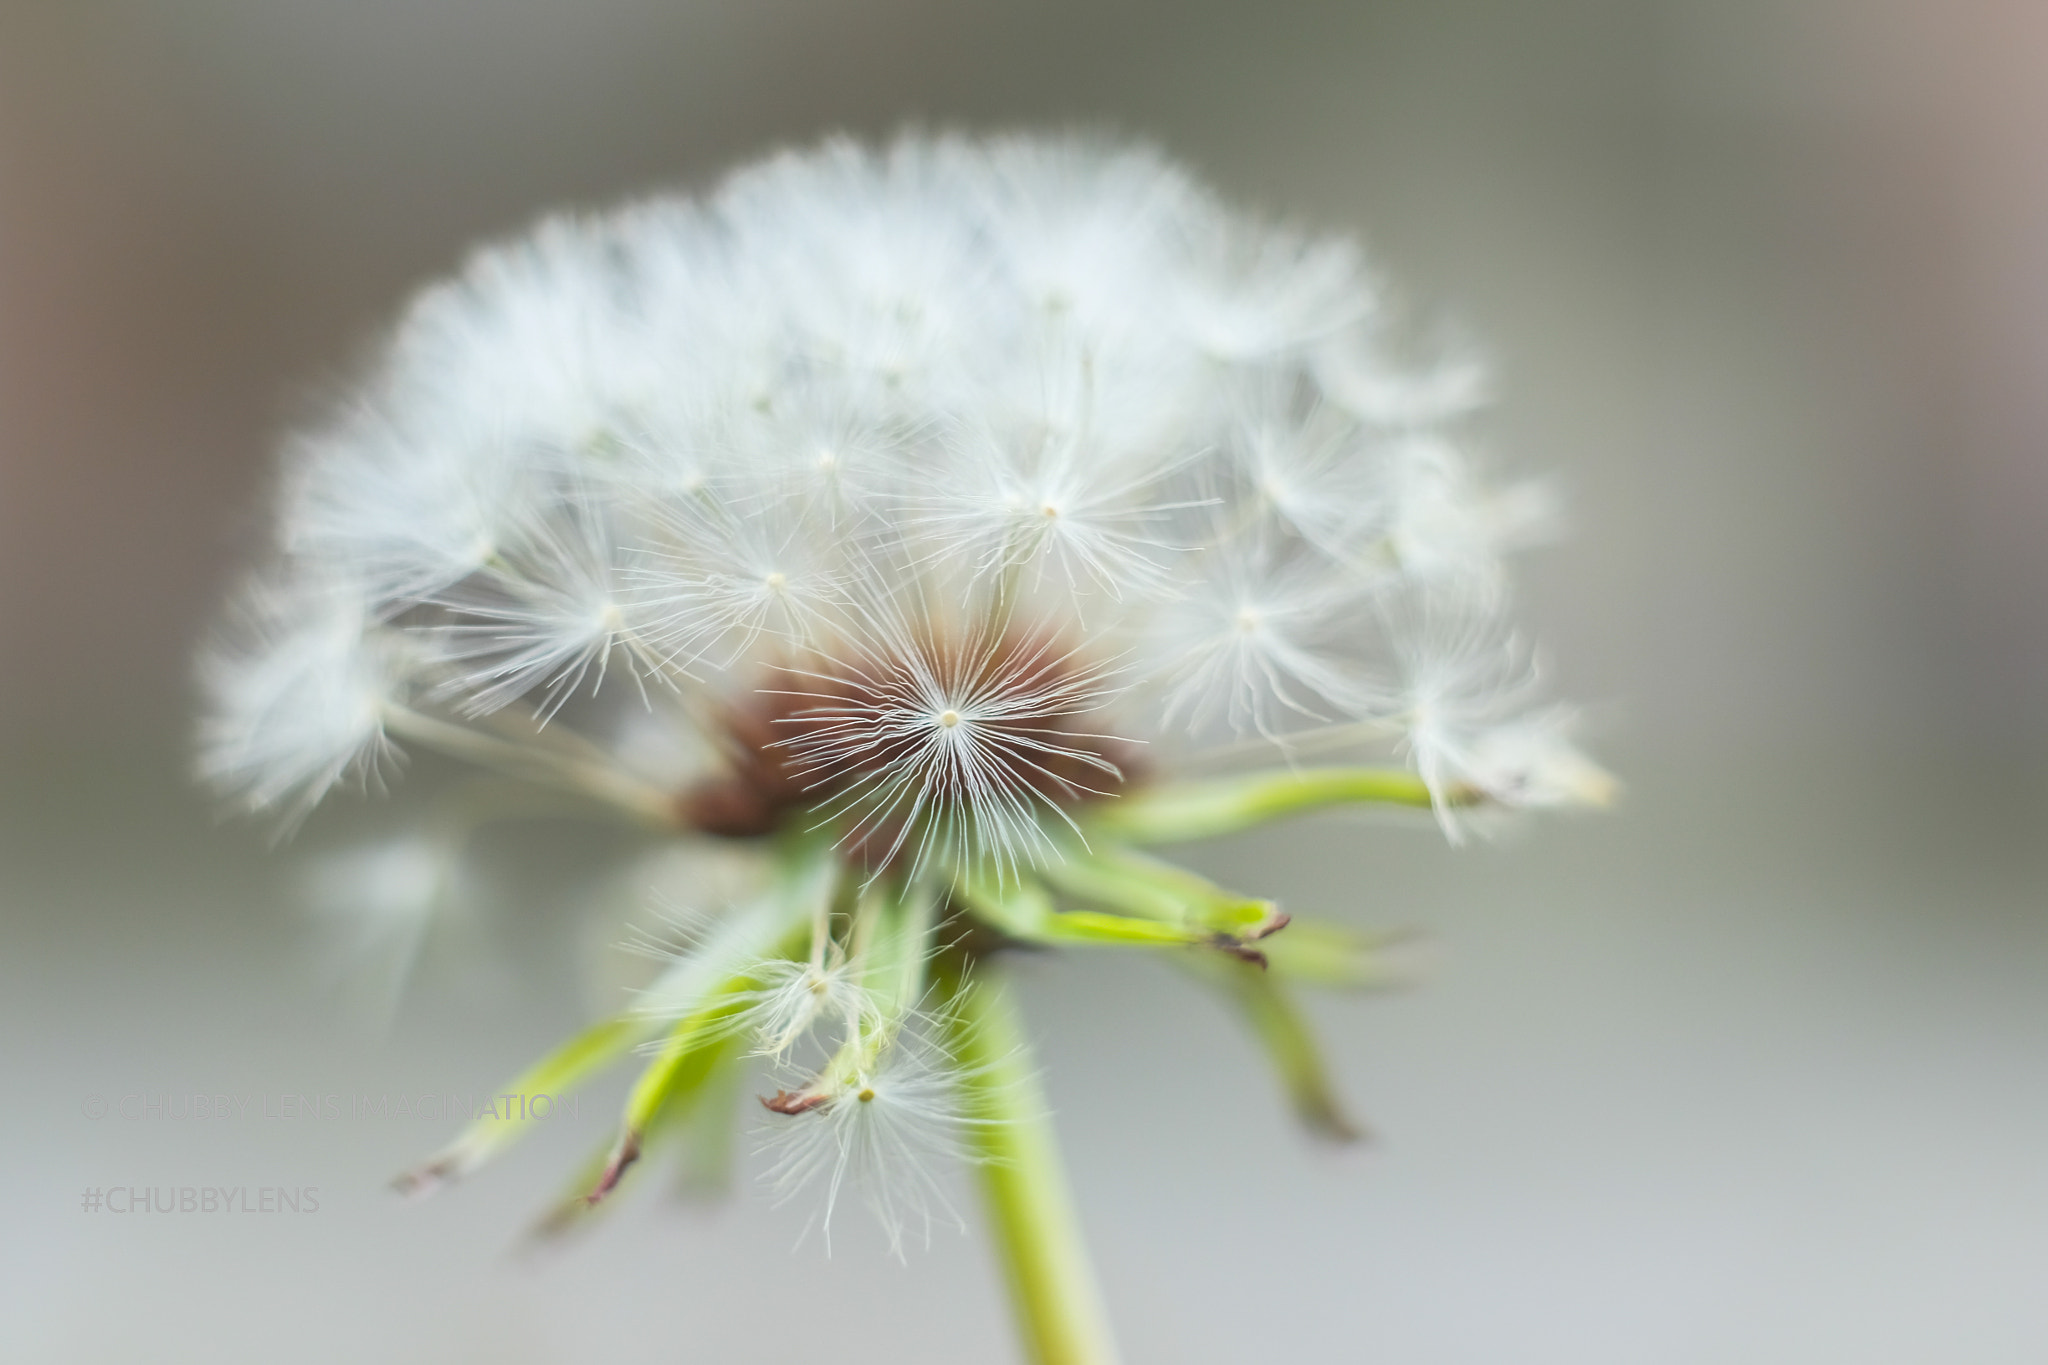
x: 794, y: 997
x: 872, y: 425
x: 549, y: 615
x: 1469, y: 720
x: 960, y: 748
x: 298, y: 690
x: 883, y: 1127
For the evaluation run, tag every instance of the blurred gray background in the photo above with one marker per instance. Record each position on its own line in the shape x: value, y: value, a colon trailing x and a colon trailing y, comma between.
x: 1753, y: 1069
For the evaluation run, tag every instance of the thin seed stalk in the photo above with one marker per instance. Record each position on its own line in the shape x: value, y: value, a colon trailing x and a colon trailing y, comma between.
x: 1038, y: 1233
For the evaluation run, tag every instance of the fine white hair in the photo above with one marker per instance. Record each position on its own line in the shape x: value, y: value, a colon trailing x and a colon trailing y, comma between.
x: 810, y: 418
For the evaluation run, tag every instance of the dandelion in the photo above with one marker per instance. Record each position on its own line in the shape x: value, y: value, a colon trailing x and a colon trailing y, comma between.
x: 936, y: 525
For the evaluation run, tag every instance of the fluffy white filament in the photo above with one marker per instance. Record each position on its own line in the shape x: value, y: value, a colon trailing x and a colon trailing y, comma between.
x: 855, y: 415
x: 883, y: 1127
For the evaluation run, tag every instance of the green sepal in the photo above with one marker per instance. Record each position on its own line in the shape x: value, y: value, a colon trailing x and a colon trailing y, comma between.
x: 559, y: 1072
x: 691, y: 1046
x: 773, y: 924
x: 710, y: 1126
x: 776, y: 926
x: 1023, y: 909
x: 1277, y: 1024
x: 1178, y: 812
x: 1321, y: 954
x: 697, y: 1112
x: 666, y: 1093
x: 1133, y: 884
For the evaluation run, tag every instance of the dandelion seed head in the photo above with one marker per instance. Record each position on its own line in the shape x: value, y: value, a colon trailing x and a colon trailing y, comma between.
x: 881, y: 513
x: 929, y: 483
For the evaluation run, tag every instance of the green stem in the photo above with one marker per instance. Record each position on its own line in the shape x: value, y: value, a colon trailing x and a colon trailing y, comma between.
x: 1178, y: 812
x: 1038, y: 1233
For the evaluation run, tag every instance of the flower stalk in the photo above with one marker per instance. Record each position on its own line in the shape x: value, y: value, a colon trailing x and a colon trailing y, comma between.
x: 1031, y: 1211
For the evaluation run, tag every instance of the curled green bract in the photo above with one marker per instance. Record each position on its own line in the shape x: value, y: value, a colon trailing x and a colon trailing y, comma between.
x: 891, y: 959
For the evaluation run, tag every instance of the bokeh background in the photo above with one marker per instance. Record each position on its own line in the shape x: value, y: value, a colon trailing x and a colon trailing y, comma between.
x: 1753, y: 1069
